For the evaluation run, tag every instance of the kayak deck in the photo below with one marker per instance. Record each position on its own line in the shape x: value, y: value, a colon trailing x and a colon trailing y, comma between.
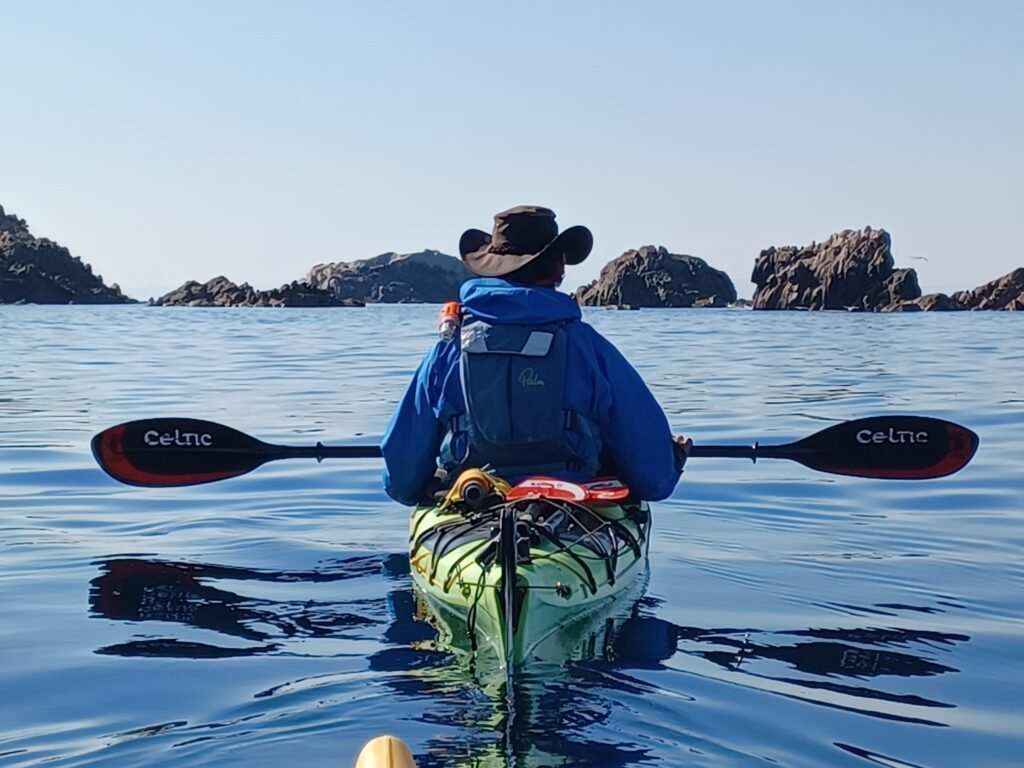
x: 567, y: 560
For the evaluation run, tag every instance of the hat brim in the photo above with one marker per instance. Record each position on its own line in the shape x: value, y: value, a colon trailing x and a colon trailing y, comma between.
x: 575, y: 244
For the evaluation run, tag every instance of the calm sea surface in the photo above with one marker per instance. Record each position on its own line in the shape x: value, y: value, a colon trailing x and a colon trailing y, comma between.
x: 791, y: 618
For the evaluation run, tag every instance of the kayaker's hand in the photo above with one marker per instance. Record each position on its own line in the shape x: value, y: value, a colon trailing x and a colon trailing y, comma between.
x: 682, y: 446
x: 432, y: 491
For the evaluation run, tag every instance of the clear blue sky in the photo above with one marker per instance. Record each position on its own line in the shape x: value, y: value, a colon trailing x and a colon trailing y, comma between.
x: 181, y: 140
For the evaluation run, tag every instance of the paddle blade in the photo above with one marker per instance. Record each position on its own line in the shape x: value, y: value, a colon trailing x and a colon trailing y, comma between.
x: 891, y: 447
x: 174, y: 452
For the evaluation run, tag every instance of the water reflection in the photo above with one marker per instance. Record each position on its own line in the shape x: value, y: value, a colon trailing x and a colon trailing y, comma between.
x: 132, y: 589
x: 542, y: 717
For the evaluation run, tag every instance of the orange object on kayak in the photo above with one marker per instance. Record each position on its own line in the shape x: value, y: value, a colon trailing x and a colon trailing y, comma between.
x: 450, y: 321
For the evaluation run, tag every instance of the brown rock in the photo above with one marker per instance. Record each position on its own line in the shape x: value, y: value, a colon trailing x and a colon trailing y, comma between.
x: 1006, y: 292
x: 653, y: 277
x: 851, y: 270
x: 426, y: 277
x: 933, y: 302
x: 221, y: 292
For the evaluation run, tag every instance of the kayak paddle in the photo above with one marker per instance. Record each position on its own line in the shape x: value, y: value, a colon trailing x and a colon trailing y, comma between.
x: 175, y: 452
x: 170, y: 452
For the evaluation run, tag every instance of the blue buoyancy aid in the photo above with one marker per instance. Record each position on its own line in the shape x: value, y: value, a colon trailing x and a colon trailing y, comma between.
x: 627, y: 425
x: 513, y: 381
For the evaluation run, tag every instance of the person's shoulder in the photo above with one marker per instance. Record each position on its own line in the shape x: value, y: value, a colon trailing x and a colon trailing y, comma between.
x: 584, y: 330
x: 589, y: 341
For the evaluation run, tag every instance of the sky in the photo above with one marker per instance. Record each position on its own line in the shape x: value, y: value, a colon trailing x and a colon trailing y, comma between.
x: 169, y: 141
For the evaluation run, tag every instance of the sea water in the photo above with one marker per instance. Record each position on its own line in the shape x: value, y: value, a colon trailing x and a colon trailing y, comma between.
x: 790, y: 618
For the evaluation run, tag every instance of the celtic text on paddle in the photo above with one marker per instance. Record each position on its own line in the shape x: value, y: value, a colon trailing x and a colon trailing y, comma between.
x: 185, y: 439
x: 892, y: 436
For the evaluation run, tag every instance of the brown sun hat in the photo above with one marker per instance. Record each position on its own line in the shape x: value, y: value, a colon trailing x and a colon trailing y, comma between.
x: 520, y: 235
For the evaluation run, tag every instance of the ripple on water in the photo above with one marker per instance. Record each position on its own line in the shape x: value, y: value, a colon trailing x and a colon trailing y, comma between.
x: 791, y: 618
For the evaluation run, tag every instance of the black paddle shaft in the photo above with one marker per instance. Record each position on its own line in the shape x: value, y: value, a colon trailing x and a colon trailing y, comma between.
x: 175, y: 452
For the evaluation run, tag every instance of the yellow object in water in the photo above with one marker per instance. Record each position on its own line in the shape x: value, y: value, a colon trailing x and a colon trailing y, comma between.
x: 385, y: 752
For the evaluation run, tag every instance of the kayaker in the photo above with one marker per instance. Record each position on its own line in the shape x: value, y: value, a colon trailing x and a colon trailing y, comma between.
x: 527, y: 388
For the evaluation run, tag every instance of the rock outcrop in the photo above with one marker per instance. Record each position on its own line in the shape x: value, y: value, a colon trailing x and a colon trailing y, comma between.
x: 653, y: 277
x: 1006, y: 292
x: 426, y: 277
x: 933, y: 302
x: 221, y: 292
x: 38, y: 271
x: 852, y: 270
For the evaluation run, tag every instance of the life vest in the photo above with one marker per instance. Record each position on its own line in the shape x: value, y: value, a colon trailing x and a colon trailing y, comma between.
x: 516, y: 422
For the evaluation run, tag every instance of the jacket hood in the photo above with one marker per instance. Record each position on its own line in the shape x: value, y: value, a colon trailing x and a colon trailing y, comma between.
x: 493, y: 300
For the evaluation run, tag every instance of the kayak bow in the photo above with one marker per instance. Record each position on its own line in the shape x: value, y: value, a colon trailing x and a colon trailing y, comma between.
x: 385, y: 752
x: 520, y: 567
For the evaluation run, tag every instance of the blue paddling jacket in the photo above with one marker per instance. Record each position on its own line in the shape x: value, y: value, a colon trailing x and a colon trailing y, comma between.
x: 617, y: 427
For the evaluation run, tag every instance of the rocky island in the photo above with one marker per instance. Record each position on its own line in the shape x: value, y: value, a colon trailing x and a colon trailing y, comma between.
x: 35, y: 270
x: 852, y: 270
x: 424, y: 277
x: 855, y: 270
x: 652, y: 277
x: 1006, y: 292
x: 221, y: 292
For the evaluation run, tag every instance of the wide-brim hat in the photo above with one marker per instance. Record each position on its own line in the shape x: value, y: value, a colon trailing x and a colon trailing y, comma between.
x: 520, y: 235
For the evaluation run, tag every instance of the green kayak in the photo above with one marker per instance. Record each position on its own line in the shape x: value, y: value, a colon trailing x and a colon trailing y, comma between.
x: 522, y: 568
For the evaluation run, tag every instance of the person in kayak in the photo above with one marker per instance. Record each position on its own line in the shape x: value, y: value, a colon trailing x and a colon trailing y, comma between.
x: 527, y: 388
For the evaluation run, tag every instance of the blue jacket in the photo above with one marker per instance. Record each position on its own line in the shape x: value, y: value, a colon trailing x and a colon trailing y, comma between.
x: 600, y: 384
